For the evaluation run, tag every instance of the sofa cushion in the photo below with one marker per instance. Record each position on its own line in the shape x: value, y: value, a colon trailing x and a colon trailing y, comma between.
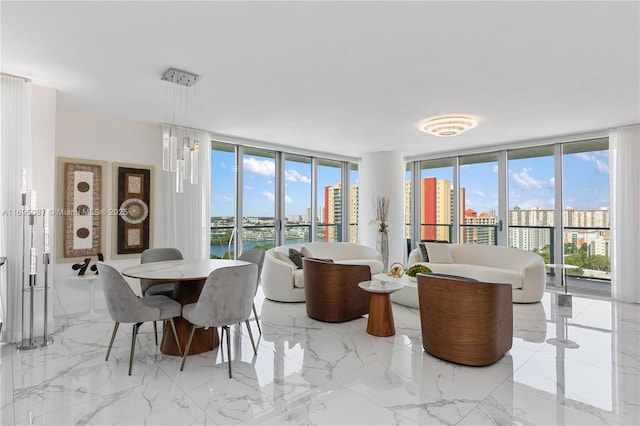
x: 296, y: 257
x: 438, y: 253
x: 306, y: 252
x: 284, y: 257
x: 485, y: 274
x: 424, y: 252
x: 375, y: 266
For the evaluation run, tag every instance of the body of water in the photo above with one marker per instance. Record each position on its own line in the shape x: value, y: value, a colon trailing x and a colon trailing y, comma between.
x: 218, y: 250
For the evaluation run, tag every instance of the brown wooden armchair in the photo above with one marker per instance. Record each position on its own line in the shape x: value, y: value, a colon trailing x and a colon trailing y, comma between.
x: 331, y: 290
x: 465, y: 321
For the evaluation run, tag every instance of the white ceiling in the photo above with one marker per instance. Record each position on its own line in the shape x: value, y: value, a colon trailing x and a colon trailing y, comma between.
x: 340, y: 77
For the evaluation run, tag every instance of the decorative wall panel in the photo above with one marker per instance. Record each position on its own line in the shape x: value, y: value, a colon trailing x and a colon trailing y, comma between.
x: 133, y: 187
x: 81, y: 208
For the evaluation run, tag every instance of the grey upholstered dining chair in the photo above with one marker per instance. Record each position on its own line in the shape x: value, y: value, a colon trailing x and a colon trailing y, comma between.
x: 125, y: 307
x: 155, y: 287
x: 257, y: 257
x: 226, y: 299
x: 158, y: 287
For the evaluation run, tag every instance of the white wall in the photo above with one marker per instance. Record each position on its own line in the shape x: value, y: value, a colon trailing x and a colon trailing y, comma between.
x: 92, y: 136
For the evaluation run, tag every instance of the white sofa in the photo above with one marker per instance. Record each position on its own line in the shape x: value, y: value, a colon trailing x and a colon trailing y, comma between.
x: 283, y: 282
x: 524, y: 270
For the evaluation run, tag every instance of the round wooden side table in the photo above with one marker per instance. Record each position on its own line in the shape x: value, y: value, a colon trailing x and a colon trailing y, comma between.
x: 380, y: 321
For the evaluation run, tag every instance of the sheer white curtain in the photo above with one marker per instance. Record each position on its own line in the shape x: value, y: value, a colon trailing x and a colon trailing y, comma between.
x: 188, y: 219
x: 15, y: 155
x: 624, y: 152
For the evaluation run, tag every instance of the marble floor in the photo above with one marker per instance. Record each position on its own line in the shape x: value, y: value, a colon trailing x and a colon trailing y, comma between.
x: 567, y: 366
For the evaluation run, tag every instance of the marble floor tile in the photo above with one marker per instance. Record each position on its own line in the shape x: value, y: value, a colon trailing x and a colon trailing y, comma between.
x: 566, y: 366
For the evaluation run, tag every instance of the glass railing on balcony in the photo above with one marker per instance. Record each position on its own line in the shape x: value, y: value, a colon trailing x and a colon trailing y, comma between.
x: 479, y: 234
x: 590, y: 250
x: 436, y: 232
x: 538, y: 239
x: 331, y: 232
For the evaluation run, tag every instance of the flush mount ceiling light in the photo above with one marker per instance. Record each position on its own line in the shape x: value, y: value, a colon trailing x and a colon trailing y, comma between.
x: 447, y: 125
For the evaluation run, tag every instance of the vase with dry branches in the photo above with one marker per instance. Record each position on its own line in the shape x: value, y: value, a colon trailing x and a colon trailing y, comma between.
x: 381, y: 220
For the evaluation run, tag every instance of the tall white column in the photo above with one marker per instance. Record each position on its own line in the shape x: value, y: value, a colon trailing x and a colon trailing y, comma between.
x: 381, y: 174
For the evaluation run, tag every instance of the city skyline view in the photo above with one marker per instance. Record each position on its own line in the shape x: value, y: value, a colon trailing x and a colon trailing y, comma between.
x: 531, y: 183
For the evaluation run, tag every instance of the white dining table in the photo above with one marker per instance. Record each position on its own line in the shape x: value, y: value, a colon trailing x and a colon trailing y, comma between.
x: 190, y: 276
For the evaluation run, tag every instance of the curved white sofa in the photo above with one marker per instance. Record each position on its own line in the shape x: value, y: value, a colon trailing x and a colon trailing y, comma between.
x: 283, y: 282
x: 524, y: 270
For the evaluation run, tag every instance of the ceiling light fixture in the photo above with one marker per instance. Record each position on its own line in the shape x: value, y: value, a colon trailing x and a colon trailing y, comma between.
x: 447, y: 125
x: 180, y: 153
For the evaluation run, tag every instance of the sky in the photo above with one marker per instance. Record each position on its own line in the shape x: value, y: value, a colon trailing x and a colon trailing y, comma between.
x: 531, y: 183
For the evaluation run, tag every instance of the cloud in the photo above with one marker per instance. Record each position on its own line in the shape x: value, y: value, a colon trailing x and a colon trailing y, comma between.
x: 601, y: 166
x: 226, y: 199
x: 523, y: 180
x: 248, y: 188
x: 295, y: 176
x: 288, y: 199
x: 495, y: 169
x: 268, y: 195
x: 261, y: 167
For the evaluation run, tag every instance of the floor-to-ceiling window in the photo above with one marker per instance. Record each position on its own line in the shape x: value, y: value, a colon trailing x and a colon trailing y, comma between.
x: 532, y: 200
x: 585, y: 215
x: 557, y: 197
x: 329, y: 195
x: 354, y: 202
x: 435, y: 197
x: 479, y: 198
x: 223, y: 201
x: 297, y: 198
x: 258, y: 199
x: 262, y: 197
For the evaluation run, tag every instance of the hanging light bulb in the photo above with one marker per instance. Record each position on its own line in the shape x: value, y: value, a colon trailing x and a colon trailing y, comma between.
x: 166, y: 156
x: 195, y: 162
x: 173, y: 150
x: 180, y: 177
x: 186, y: 156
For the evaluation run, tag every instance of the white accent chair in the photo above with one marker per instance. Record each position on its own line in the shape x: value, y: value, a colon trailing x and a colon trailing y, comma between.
x: 283, y: 282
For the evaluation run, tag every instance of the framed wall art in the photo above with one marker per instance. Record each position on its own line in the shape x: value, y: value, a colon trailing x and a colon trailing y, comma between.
x: 80, y: 215
x: 132, y: 198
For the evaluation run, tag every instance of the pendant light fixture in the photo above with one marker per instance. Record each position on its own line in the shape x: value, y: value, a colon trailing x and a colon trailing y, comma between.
x: 180, y: 150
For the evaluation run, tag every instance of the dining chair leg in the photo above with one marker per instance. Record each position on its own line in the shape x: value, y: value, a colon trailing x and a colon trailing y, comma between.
x: 186, y: 350
x: 155, y: 331
x: 136, y: 326
x: 113, y: 337
x: 175, y: 335
x: 228, y: 348
x: 255, y: 351
x: 255, y: 314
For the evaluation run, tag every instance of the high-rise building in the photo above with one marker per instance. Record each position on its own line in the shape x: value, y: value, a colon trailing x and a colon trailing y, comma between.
x: 482, y: 228
x: 436, y: 208
x: 332, y: 212
x: 353, y: 212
